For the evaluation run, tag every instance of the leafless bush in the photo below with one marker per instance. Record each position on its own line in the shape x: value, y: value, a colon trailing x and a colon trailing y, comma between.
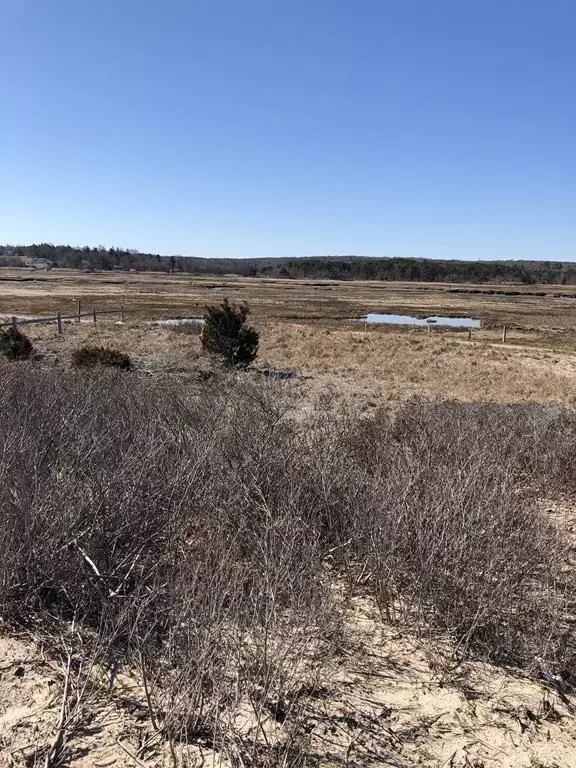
x: 196, y: 533
x: 458, y: 540
x: 154, y: 519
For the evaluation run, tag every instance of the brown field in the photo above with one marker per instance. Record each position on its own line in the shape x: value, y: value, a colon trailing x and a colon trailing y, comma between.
x: 154, y: 295
x: 306, y: 328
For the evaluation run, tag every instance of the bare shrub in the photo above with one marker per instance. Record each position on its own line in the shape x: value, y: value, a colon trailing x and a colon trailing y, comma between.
x: 197, y: 533
x: 150, y: 518
x: 90, y: 356
x: 433, y: 507
x: 469, y: 553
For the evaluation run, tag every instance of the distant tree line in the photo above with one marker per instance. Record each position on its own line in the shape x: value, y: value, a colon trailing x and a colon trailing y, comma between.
x: 315, y: 268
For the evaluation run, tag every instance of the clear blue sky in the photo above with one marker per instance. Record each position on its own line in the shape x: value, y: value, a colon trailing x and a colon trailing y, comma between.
x: 430, y: 128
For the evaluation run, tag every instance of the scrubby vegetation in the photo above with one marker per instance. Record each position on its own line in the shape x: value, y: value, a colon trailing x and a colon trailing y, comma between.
x: 15, y: 345
x: 212, y: 536
x: 226, y: 334
x: 90, y: 356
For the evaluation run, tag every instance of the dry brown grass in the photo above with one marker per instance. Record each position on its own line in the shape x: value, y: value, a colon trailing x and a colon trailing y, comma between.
x: 150, y: 295
x: 305, y: 328
x: 364, y: 368
x: 383, y: 364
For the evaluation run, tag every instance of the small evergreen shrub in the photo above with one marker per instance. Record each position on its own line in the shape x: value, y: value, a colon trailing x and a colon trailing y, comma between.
x: 15, y: 345
x: 226, y: 334
x: 90, y: 356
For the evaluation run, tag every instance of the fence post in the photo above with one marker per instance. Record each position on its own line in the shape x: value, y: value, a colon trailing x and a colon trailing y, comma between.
x: 469, y: 334
x: 94, y: 315
x: 59, y: 321
x: 504, y: 333
x: 14, y: 323
x: 79, y: 309
x: 429, y: 331
x: 122, y: 312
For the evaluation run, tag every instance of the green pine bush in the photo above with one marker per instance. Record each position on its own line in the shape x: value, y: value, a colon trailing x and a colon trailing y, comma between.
x: 15, y: 345
x: 226, y: 334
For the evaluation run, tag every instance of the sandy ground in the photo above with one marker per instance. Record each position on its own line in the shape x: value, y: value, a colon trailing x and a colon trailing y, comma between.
x: 385, y: 703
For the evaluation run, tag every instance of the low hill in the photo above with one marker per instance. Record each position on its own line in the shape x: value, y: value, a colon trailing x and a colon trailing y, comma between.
x: 315, y: 267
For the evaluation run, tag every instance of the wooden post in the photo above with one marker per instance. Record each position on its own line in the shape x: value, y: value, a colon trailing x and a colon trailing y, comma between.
x: 122, y: 312
x: 59, y: 321
x: 79, y: 309
x: 14, y: 323
x: 94, y: 316
x: 429, y: 331
x: 469, y: 334
x: 504, y: 333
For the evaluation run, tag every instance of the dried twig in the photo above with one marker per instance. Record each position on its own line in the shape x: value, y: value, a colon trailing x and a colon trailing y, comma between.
x: 130, y: 754
x: 58, y: 740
